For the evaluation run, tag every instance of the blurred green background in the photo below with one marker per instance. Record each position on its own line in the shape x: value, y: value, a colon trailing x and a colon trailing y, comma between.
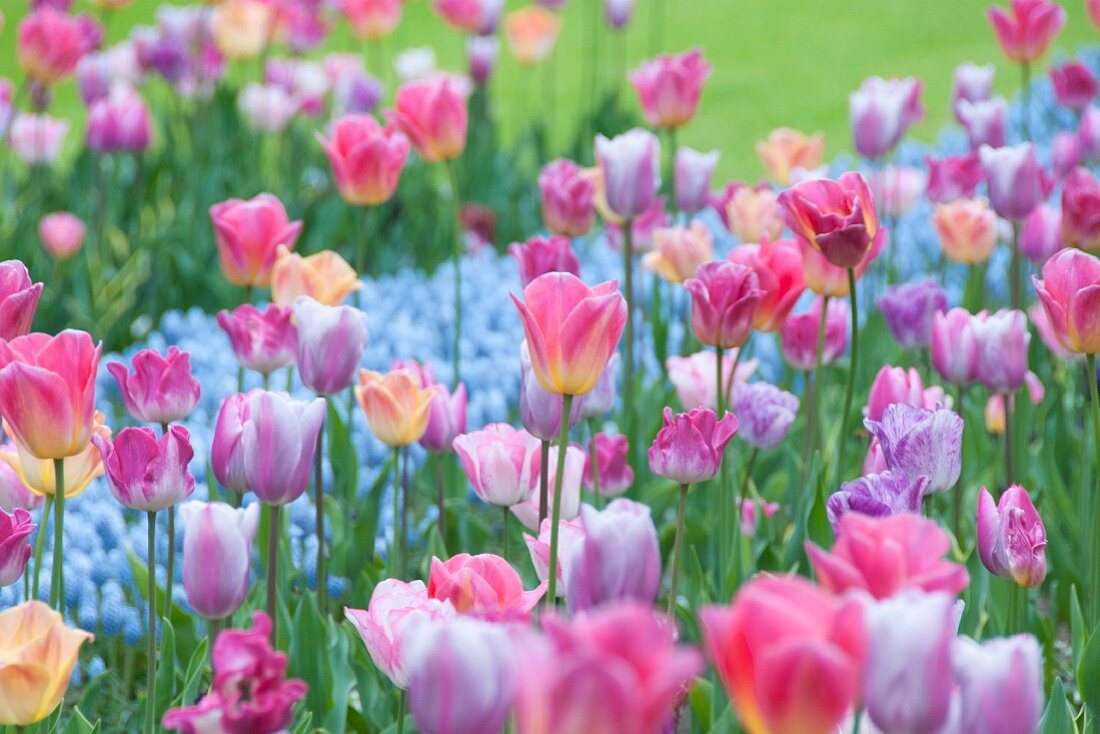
x: 776, y: 62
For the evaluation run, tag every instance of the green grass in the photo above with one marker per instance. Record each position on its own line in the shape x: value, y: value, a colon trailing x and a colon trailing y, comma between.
x: 776, y: 62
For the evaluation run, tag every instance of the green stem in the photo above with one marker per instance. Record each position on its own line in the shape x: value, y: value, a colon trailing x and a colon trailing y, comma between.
x: 563, y: 445
x: 402, y: 707
x: 1015, y: 285
x: 725, y: 529
x: 594, y: 459
x: 170, y: 562
x: 1025, y: 91
x: 504, y: 531
x: 212, y: 628
x: 1008, y: 399
x: 845, y: 429
x: 676, y: 548
x: 441, y: 498
x: 57, y: 585
x: 671, y: 173
x: 394, y: 549
x: 319, y: 503
x: 628, y: 337
x: 544, y: 480
x: 458, y: 269
x: 151, y: 640
x: 405, y: 512
x: 809, y: 442
x: 274, y: 531
x: 39, y: 543
x: 361, y: 245
x: 1090, y: 362
x: 727, y: 392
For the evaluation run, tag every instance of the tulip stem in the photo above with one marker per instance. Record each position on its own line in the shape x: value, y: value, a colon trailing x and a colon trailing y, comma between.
x: 402, y: 707
x: 394, y: 549
x: 544, y: 480
x: 594, y: 459
x: 504, y: 531
x: 151, y: 640
x: 727, y: 393
x: 361, y: 245
x: 628, y: 340
x: 809, y: 442
x: 458, y: 269
x: 170, y: 562
x: 844, y: 417
x: 319, y: 506
x: 725, y: 531
x: 676, y: 548
x: 39, y: 543
x: 404, y: 511
x: 57, y: 584
x: 671, y: 173
x: 441, y: 498
x: 1015, y: 286
x: 1009, y: 399
x: 1094, y: 393
x: 563, y: 444
x: 274, y: 531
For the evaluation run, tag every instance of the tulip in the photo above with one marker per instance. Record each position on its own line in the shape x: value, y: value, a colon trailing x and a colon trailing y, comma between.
x: 606, y: 470
x: 395, y: 611
x: 366, y: 158
x: 481, y: 54
x: 531, y: 32
x: 15, y: 549
x: 752, y: 214
x: 1070, y: 294
x: 724, y: 297
x: 971, y: 82
x: 1081, y: 210
x: 570, y: 532
x: 616, y: 668
x: 894, y: 385
x: 908, y: 310
x: 786, y: 150
x: 921, y: 443
x: 483, y: 586
x: 325, y: 277
x: 1065, y: 153
x: 750, y: 510
x: 217, y: 542
x: 37, y: 139
x: 826, y: 279
x: 1002, y: 339
x: 897, y: 188
x: 472, y: 16
x: 618, y: 13
x: 18, y: 299
x: 765, y: 414
x: 1088, y: 133
x: 955, y: 349
x: 462, y: 677
x: 1074, y: 85
x: 567, y: 198
x: 1041, y: 321
x: 501, y: 463
x: 1026, y: 33
x: 38, y: 475
x: 798, y: 337
x: 372, y: 20
x: 642, y: 229
x: 145, y: 473
x: 1092, y: 7
x: 679, y: 252
x: 39, y: 654
x: 779, y: 273
x: 248, y: 235
x: 331, y: 340
x: 695, y: 378
x: 540, y: 411
x: 618, y: 558
x: 432, y: 113
x: 789, y: 654
x: 397, y: 407
x: 954, y: 177
x: 541, y: 255
x: 907, y: 682
x: 1016, y: 182
x: 446, y: 419
x: 692, y: 172
x: 967, y: 230
x: 881, y: 111
x: 877, y: 495
x: 630, y: 171
x: 669, y: 87
x: 242, y: 28
x: 119, y: 122
x: 14, y: 493
x: 1012, y: 540
x: 62, y: 234
x: 835, y: 218
x: 984, y: 121
x: 1000, y: 684
x: 263, y: 341
x: 886, y: 555
x: 689, y: 447
x: 268, y: 108
x: 601, y: 399
x: 50, y: 45
x: 530, y: 511
x: 1042, y: 237
x: 160, y: 389
x: 249, y: 691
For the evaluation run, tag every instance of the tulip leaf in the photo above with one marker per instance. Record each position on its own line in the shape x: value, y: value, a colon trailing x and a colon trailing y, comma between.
x: 196, y: 667
x: 701, y: 700
x: 166, y: 669
x: 1088, y: 673
x: 183, y: 624
x: 79, y: 724
x: 818, y: 529
x: 319, y: 655
x: 1078, y: 629
x: 1058, y: 716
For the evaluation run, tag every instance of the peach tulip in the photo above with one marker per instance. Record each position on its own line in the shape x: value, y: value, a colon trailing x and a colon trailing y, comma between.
x: 967, y: 230
x: 752, y: 214
x: 786, y: 150
x: 396, y: 405
x: 531, y: 33
x: 372, y: 20
x: 679, y: 251
x: 242, y: 28
x: 324, y: 276
x: 366, y: 158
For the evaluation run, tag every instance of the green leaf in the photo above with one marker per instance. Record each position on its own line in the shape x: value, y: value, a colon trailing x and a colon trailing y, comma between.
x: 1058, y: 717
x: 701, y: 700
x: 79, y: 724
x: 166, y: 669
x: 183, y: 624
x: 196, y: 667
x: 1088, y: 673
x: 319, y: 655
x: 1078, y: 629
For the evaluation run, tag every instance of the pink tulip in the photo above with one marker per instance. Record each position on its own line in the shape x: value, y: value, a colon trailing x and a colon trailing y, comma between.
x: 15, y: 549
x: 217, y: 555
x: 1017, y: 184
x: 1041, y: 237
x: 618, y: 558
x: 481, y: 55
x: 954, y: 177
x: 614, y: 669
x: 724, y: 297
x: 145, y: 473
x: 432, y: 113
x: 971, y: 82
x: 1081, y: 210
x: 1012, y: 540
x: 568, y: 195
x: 541, y: 255
x: 897, y: 188
x: 779, y: 273
x: 47, y: 391
x: 1092, y: 7
x: 472, y: 16
x: 881, y: 111
x: 50, y: 45
x: 483, y: 586
x: 263, y: 341
x: 501, y: 463
x: 630, y: 169
x: 679, y: 252
x: 248, y: 235
x: 446, y: 420
x: 789, y: 654
x: 1070, y: 293
x: 752, y: 213
x: 371, y: 20
x: 955, y: 352
x: 268, y: 108
x: 607, y: 464
x: 37, y: 139
x: 1074, y: 85
x: 396, y: 609
x: 161, y: 389
x: 331, y: 341
x: 529, y: 510
x: 967, y: 229
x: 572, y: 330
x: 886, y: 555
x: 366, y: 158
x: 1088, y: 133
x: 689, y: 447
x: 984, y: 121
x: 751, y: 511
x: 695, y: 380
x: 570, y: 533
x: 798, y: 337
x: 119, y: 122
x: 669, y: 87
x: 692, y: 174
x: 1041, y: 321
x: 835, y: 218
x: 1026, y: 33
x: 894, y: 385
x: 1002, y: 339
x: 62, y: 234
x: 18, y: 299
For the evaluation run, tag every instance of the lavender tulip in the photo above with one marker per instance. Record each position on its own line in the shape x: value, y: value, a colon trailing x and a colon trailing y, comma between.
x: 984, y: 121
x: 161, y: 389
x: 1012, y: 539
x: 539, y: 410
x: 618, y: 558
x: 263, y: 341
x: 971, y: 82
x: 145, y: 473
x: 631, y: 170
x: 331, y: 340
x: 877, y: 495
x: 693, y: 172
x: 15, y: 549
x: 446, y: 420
x: 1002, y: 339
x: 918, y: 442
x: 765, y: 414
x: 908, y: 310
x: 1000, y: 684
x: 881, y: 110
x: 217, y: 552
x: 1016, y: 182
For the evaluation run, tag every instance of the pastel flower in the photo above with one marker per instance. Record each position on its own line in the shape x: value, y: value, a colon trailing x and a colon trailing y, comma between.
x: 1041, y: 236
x: 967, y: 230
x: 119, y: 122
x: 764, y: 413
x: 908, y: 310
x: 780, y: 276
x: 678, y: 251
x: 1026, y: 33
x: 984, y: 121
x: 1088, y: 133
x: 568, y: 195
x: 955, y: 349
x: 1002, y: 339
x: 786, y: 150
x: 877, y: 495
x: 331, y: 341
x: 570, y: 532
x: 630, y: 171
x: 472, y: 16
x: 62, y: 234
x: 15, y: 549
x: 618, y: 558
x: 894, y: 385
x: 50, y: 45
x: 1012, y: 539
x: 752, y: 214
x: 971, y: 82
x: 618, y: 13
x: 160, y: 389
x: 502, y: 463
x: 18, y: 299
x: 528, y: 511
x: 38, y: 474
x: 1065, y: 153
x: 692, y: 173
x: 540, y: 411
x: 918, y: 442
x: 1017, y: 184
x: 724, y: 297
x: 881, y: 111
x: 1081, y: 210
x: 531, y: 32
x: 145, y: 473
x: 372, y: 20
x: 432, y: 114
x: 263, y: 341
x: 669, y: 87
x: 835, y: 218
x: 483, y: 586
x: 242, y: 29
x: 953, y: 177
x: 689, y: 447
x: 798, y: 337
x: 217, y: 555
x: 268, y: 108
x: 323, y: 276
x: 1074, y: 85
x: 366, y: 158
x: 248, y: 235
x: 1070, y: 294
x: 1000, y: 684
x: 541, y: 255
x: 481, y: 55
x: 751, y: 511
x: 37, y: 139
x: 609, y: 454
x: 446, y: 419
x: 695, y: 380
x: 396, y: 404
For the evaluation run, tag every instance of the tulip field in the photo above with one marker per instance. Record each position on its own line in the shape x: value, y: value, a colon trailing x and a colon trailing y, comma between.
x: 385, y: 366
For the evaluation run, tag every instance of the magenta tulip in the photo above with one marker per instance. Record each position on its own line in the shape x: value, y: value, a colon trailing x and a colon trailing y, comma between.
x: 15, y: 548
x: 145, y: 473
x: 689, y: 448
x: 541, y: 255
x: 1012, y: 539
x: 263, y: 341
x: 568, y: 198
x: 606, y: 463
x: 724, y: 297
x: 1026, y: 33
x: 669, y: 87
x: 18, y: 299
x: 160, y: 389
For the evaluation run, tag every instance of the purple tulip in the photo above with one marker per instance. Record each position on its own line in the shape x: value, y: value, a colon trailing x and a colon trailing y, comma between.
x: 1002, y: 339
x: 602, y: 398
x: 161, y: 389
x: 145, y: 473
x: 539, y: 410
x: 764, y: 413
x: 1017, y: 184
x: 908, y: 309
x: 918, y: 442
x: 630, y: 165
x: 984, y: 121
x: 217, y: 553
x: 877, y: 495
x: 15, y: 549
x: 881, y: 110
x: 693, y: 172
x: 481, y: 55
x: 1042, y: 234
x: 1012, y: 539
x: 907, y: 681
x: 119, y: 122
x: 972, y: 83
x: 1000, y: 684
x: 955, y: 352
x: 462, y: 676
x: 263, y: 341
x: 331, y: 340
x: 689, y: 448
x: 618, y: 558
x: 447, y: 419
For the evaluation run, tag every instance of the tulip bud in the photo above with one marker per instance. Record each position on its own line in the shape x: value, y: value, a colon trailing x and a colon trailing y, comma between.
x: 568, y: 194
x: 570, y: 533
x: 501, y: 463
x: 1012, y: 539
x: 631, y: 171
x: 217, y: 543
x: 15, y: 549
x: 263, y: 341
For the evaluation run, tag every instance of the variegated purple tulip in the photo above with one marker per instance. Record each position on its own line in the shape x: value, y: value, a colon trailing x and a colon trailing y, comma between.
x: 908, y: 310
x: 160, y: 389
x: 145, y: 473
x: 1012, y: 539
x: 689, y: 448
x: 618, y: 558
x: 877, y: 495
x: 631, y: 172
x: 764, y: 413
x: 918, y: 442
